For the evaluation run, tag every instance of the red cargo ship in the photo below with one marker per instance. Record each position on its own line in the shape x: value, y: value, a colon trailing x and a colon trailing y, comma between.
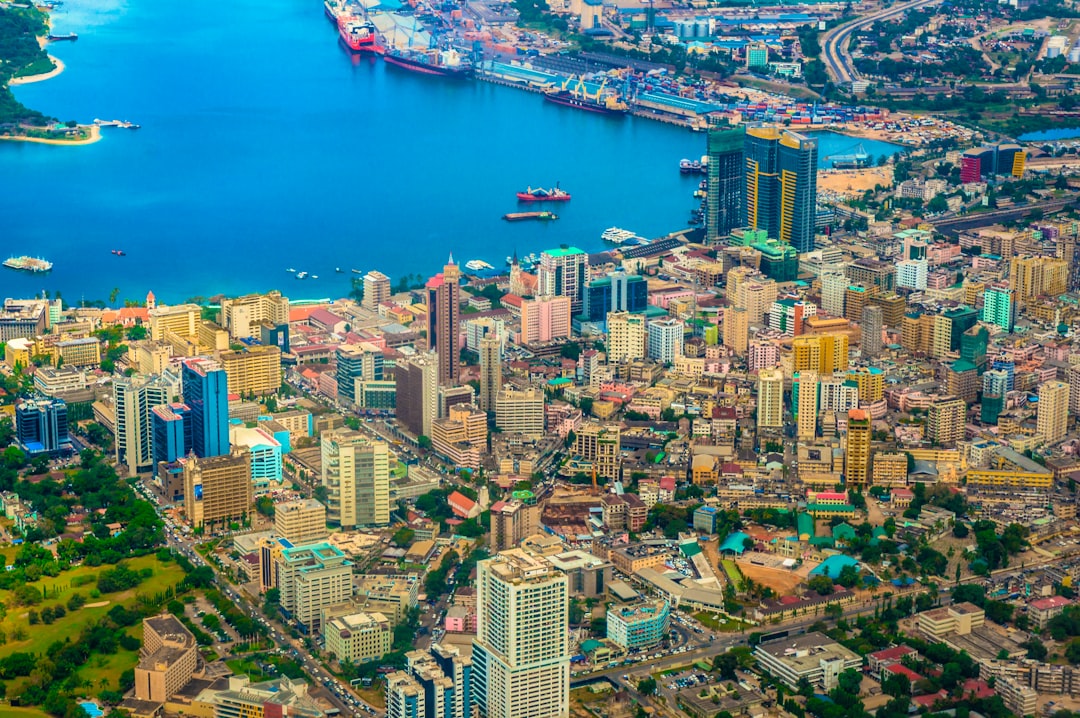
x: 359, y: 35
x: 543, y: 195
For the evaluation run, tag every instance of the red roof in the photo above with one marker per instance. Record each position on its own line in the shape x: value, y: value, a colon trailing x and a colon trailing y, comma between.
x: 511, y: 300
x: 901, y: 670
x: 978, y: 689
x: 893, y: 654
x: 1045, y: 604
x: 460, y: 504
x: 929, y: 700
x: 667, y: 483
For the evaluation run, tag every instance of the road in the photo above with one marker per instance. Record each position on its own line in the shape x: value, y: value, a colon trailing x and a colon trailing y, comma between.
x: 955, y: 225
x: 834, y: 50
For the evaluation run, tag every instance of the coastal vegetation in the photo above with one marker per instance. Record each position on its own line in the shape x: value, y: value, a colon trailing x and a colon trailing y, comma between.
x: 21, y: 55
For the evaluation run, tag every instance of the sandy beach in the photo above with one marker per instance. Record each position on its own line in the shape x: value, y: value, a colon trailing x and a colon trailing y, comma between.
x: 57, y: 69
x: 95, y: 135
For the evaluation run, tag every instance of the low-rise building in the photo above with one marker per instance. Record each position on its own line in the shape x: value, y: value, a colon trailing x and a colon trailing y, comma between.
x: 358, y: 637
x: 639, y: 625
x: 813, y: 656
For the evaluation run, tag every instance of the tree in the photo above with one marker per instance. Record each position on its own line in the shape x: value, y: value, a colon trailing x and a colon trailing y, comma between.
x: 424, y: 442
x: 647, y: 686
x: 821, y: 584
x: 136, y: 333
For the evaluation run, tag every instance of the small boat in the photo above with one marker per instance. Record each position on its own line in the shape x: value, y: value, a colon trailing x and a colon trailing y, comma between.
x: 540, y: 194
x: 119, y: 253
x: 314, y: 276
x: 687, y: 167
x: 301, y: 275
x: 337, y: 269
x: 616, y: 235
x: 519, y: 216
x: 56, y: 38
x: 356, y: 271
x: 290, y: 269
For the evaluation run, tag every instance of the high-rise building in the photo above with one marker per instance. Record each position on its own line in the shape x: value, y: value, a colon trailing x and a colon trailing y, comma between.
x: 1038, y: 276
x: 870, y: 339
x: 172, y: 432
x: 521, y: 654
x: 665, y: 339
x: 520, y: 411
x: 545, y: 319
x: 617, y: 292
x: 444, y: 319
x: 756, y: 296
x: 1053, y: 412
x: 836, y: 394
x: 823, y: 353
x: 999, y: 306
x: 461, y: 436
x: 358, y: 637
x: 962, y: 380
x: 626, y: 337
x: 781, y: 185
x: 133, y: 399
x: 41, y: 426
x: 309, y: 579
x: 995, y: 383
x: 806, y: 384
x: 564, y: 272
x: 870, y: 382
x: 834, y: 284
x: 242, y: 317
x: 512, y: 521
x: 973, y: 347
x: 600, y: 445
x: 724, y: 180
x: 912, y: 274
x: 857, y: 453
x: 218, y: 488
x: 856, y: 298
x: 490, y: 371
x: 945, y: 421
x: 253, y: 369
x: 376, y: 290
x: 788, y: 316
x: 182, y: 320
x: 167, y: 661
x: 301, y: 522
x: 356, y: 361
x: 206, y: 391
x: 770, y: 399
x: 435, y: 684
x: 356, y: 474
x: 418, y: 392
x: 736, y: 329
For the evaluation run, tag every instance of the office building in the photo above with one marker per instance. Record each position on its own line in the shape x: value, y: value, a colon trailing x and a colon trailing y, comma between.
x: 265, y: 452
x: 444, y: 320
x: 520, y: 411
x: 167, y: 660
x: 788, y: 316
x: 639, y: 625
x: 41, y: 426
x: 857, y: 451
x: 1053, y: 412
x: 545, y: 319
x: 25, y: 318
x: 945, y: 421
x: 358, y: 637
x: 183, y: 320
x: 512, y: 521
x: 418, y: 392
x: 999, y: 306
x: 563, y: 272
x: 870, y: 342
x: 311, y: 578
x: 376, y: 290
x: 600, y: 445
x: 875, y: 274
x: 133, y: 399
x: 756, y: 296
x: 736, y: 329
x: 626, y: 337
x: 205, y: 387
x: 962, y: 380
x: 490, y: 371
x: 973, y: 347
x: 356, y: 474
x: 300, y: 522
x: 806, y: 405
x: 1033, y: 277
x: 870, y: 382
x: 836, y: 394
x: 587, y: 575
x: 405, y: 698
x: 277, y: 697
x: 172, y: 432
x: 617, y: 292
x: 823, y: 353
x: 217, y: 489
x: 834, y: 286
x: 770, y: 399
x: 781, y: 185
x: 521, y: 654
x: 811, y: 656
x: 356, y: 362
x: 724, y: 180
x: 995, y: 383
x: 856, y: 298
x: 60, y: 382
x: 461, y: 436
x: 254, y: 369
x: 244, y: 316
x: 912, y: 274
x: 664, y: 339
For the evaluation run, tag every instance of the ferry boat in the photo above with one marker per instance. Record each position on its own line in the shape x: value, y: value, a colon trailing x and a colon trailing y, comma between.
x: 477, y: 265
x: 617, y: 235
x: 359, y: 35
x: 301, y: 275
x: 441, y: 63
x: 539, y: 194
x: 519, y: 216
x: 687, y: 167
x: 28, y: 264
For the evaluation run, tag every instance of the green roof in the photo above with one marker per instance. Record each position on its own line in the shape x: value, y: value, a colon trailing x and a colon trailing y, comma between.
x: 963, y: 365
x: 806, y: 524
x: 563, y: 251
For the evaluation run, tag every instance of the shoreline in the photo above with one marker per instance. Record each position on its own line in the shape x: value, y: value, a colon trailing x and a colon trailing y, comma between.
x: 58, y: 67
x: 95, y: 135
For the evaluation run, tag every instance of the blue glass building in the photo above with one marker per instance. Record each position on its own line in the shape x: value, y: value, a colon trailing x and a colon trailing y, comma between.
x: 41, y: 426
x: 206, y: 392
x: 172, y: 432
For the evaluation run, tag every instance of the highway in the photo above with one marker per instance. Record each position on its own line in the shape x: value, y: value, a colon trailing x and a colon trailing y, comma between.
x: 834, y: 51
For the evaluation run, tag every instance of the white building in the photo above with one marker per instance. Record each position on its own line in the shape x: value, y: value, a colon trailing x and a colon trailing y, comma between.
x: 356, y: 474
x: 665, y: 339
x: 911, y: 274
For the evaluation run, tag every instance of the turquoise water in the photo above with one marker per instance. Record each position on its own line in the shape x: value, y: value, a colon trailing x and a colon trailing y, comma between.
x: 91, y: 709
x: 1060, y: 133
x: 264, y: 146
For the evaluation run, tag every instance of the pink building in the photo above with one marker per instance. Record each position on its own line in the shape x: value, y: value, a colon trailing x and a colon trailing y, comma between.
x: 941, y: 253
x: 545, y: 319
x: 938, y: 280
x: 763, y: 355
x: 460, y: 620
x: 328, y: 384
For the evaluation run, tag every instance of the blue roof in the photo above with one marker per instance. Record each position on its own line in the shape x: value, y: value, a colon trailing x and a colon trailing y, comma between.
x: 833, y: 565
x: 734, y: 542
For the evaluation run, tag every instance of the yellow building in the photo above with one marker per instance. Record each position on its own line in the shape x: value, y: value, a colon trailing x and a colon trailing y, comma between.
x: 218, y: 489
x: 358, y: 637
x: 626, y: 337
x: 945, y: 421
x: 1038, y: 276
x: 821, y: 353
x: 167, y: 660
x: 1053, y: 412
x: 770, y: 399
x: 857, y: 452
x: 600, y: 445
x: 182, y: 320
x: 871, y: 383
x: 736, y: 329
x: 461, y: 436
x: 890, y: 469
x: 243, y: 316
x: 253, y: 370
x: 80, y: 352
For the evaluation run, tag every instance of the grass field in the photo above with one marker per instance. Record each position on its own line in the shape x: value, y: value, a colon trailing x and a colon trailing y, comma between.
x: 717, y: 623
x: 733, y: 574
x: 13, y: 712
x: 374, y: 695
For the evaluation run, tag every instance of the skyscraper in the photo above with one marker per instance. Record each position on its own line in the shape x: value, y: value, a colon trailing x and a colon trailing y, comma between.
x: 857, y: 454
x: 770, y: 399
x: 807, y: 405
x: 521, y: 654
x: 781, y: 185
x: 356, y: 474
x: 736, y: 329
x: 665, y: 339
x: 417, y: 380
x: 999, y: 306
x: 626, y: 337
x: 995, y: 384
x: 1053, y: 412
x: 376, y: 290
x: 354, y: 362
x: 443, y: 321
x: 490, y: 371
x: 133, y: 399
x: 870, y: 340
x: 823, y: 353
x: 564, y: 272
x: 205, y: 389
x: 218, y: 488
x: 725, y: 183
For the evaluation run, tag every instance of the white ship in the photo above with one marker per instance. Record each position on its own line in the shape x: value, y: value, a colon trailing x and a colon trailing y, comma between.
x: 615, y: 235
x: 477, y: 265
